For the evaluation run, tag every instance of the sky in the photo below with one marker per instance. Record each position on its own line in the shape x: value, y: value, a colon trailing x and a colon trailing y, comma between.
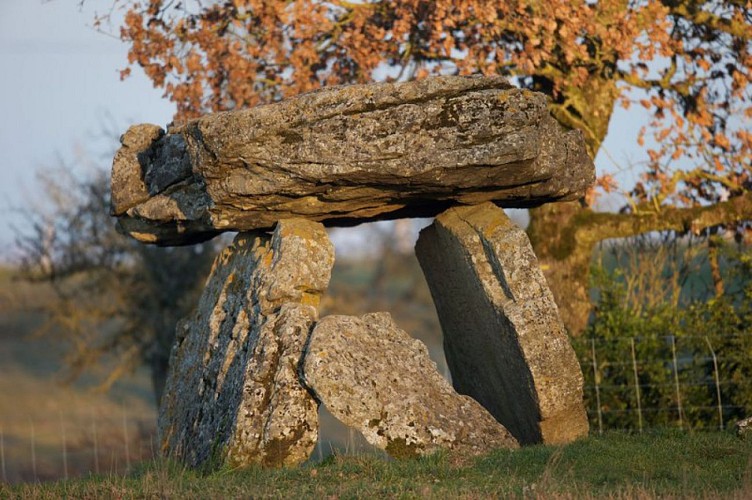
x: 60, y: 87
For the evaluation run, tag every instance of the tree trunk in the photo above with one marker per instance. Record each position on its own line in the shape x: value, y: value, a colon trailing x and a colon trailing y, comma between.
x: 565, y: 261
x: 564, y: 258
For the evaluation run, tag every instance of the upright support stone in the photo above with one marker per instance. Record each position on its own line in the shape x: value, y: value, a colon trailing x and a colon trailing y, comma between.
x: 233, y: 394
x: 374, y: 377
x: 504, y: 341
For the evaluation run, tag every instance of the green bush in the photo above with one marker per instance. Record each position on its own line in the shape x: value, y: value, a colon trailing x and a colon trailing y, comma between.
x: 673, y: 341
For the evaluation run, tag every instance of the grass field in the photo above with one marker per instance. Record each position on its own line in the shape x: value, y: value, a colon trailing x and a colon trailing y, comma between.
x: 616, y: 465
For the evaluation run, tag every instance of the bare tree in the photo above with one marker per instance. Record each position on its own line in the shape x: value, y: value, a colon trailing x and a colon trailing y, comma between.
x: 115, y: 299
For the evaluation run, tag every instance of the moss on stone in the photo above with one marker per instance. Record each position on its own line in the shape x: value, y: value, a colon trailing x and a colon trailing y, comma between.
x: 399, y: 448
x: 279, y: 449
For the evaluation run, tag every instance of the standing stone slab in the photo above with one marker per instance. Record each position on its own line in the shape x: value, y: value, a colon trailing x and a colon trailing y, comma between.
x: 504, y: 341
x: 233, y: 393
x: 374, y: 377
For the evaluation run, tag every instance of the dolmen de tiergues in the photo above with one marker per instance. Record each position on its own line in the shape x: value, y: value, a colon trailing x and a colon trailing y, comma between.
x: 252, y: 363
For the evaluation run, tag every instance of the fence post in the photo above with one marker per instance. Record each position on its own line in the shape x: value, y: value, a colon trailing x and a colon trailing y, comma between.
x: 637, y: 385
x: 676, y: 383
x: 717, y: 384
x: 2, y: 455
x: 125, y: 440
x: 96, y: 444
x: 597, y: 387
x: 65, y: 447
x: 33, y: 451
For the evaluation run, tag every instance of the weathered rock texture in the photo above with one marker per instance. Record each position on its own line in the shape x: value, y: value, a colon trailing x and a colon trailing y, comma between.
x: 233, y: 393
x: 743, y: 428
x: 346, y: 155
x: 372, y: 376
x: 504, y: 341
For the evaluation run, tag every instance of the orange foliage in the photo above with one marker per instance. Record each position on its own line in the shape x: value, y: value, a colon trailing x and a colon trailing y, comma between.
x: 689, y: 61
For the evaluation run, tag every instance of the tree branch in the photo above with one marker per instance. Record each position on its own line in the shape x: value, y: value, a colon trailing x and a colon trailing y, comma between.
x: 681, y: 88
x: 596, y: 227
x: 712, y: 21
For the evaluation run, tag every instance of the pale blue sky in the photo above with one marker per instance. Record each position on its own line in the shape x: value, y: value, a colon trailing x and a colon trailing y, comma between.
x: 60, y: 82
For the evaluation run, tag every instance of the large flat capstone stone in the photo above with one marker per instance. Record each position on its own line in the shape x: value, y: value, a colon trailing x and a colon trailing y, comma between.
x: 504, y: 341
x: 374, y: 377
x: 233, y: 394
x: 345, y: 155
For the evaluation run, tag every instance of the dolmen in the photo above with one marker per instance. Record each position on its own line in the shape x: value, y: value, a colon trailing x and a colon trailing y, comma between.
x: 251, y: 365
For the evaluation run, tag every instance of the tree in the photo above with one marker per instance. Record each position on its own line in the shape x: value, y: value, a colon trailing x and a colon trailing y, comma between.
x: 115, y: 299
x: 686, y: 62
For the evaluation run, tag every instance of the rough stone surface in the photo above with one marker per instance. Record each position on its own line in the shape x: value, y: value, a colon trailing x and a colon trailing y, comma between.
x: 504, y: 341
x: 346, y: 155
x: 233, y: 393
x: 372, y: 376
x: 743, y: 428
x: 129, y: 174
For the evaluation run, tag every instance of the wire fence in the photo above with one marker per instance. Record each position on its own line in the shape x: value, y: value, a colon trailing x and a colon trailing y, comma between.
x: 113, y: 446
x: 687, y: 382
x: 42, y: 448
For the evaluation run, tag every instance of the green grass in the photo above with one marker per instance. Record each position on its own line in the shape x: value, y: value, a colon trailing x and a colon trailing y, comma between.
x: 615, y: 465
